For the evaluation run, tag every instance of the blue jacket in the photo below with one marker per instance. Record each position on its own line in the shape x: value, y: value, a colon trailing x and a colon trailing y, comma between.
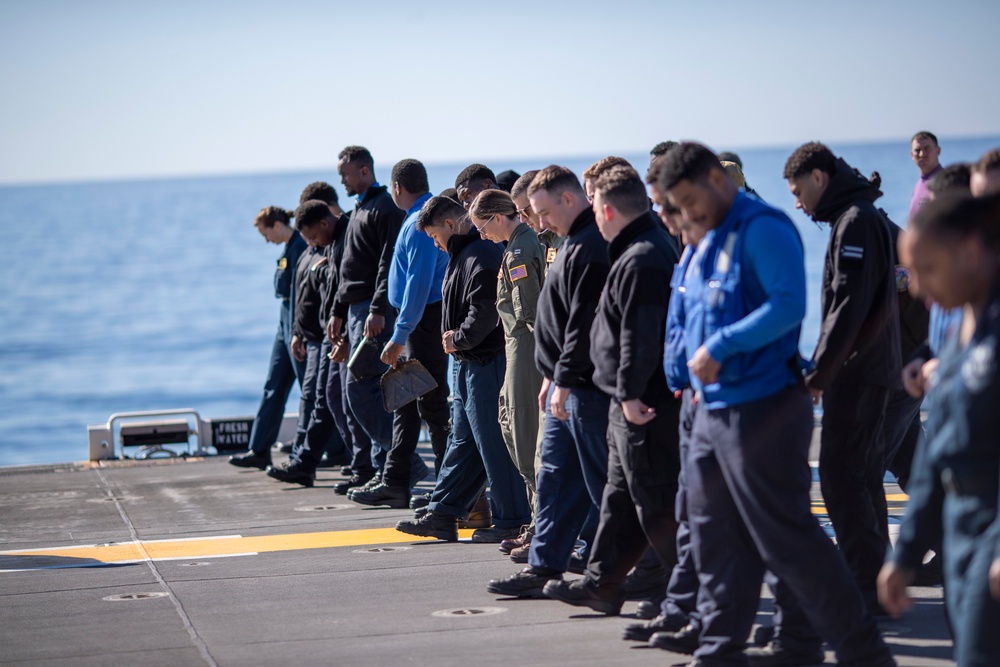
x: 683, y: 305
x: 749, y: 277
x: 284, y: 283
x: 415, y: 275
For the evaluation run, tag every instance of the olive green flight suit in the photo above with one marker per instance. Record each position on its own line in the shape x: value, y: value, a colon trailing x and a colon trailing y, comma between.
x: 518, y: 285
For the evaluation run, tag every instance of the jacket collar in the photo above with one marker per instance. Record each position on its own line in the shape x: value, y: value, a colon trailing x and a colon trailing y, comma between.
x: 618, y: 244
x: 582, y: 221
x: 459, y: 242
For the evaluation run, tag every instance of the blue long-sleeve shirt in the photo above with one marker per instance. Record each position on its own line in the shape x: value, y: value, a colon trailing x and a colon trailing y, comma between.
x: 415, y: 275
x: 753, y: 290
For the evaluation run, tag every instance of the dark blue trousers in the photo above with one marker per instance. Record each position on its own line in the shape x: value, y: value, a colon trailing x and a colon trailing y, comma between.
x: 571, y: 478
x: 969, y: 550
x: 681, y: 603
x: 364, y: 397
x: 476, y: 454
x: 307, y: 400
x: 748, y: 504
x: 282, y: 372
x: 322, y: 434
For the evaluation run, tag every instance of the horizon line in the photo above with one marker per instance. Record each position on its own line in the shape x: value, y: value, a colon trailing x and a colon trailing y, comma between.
x: 112, y: 179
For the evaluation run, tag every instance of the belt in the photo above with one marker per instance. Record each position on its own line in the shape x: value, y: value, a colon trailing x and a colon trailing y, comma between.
x: 970, y: 482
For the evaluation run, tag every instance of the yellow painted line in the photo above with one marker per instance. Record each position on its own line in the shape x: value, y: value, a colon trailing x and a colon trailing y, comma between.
x: 232, y: 545
x: 819, y: 508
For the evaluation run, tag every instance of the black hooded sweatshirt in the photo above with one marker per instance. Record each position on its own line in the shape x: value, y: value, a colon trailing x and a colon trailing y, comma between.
x: 626, y: 343
x: 469, y: 297
x: 334, y: 258
x: 568, y: 304
x: 859, y: 336
x: 371, y: 238
x: 310, y: 279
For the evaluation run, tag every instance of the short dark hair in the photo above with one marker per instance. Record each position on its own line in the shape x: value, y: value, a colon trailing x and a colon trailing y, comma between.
x: 312, y: 212
x: 506, y: 179
x: 269, y: 215
x: 622, y: 188
x: 450, y: 193
x: 687, y: 161
x: 436, y: 210
x: 555, y: 180
x: 595, y: 170
x: 924, y: 134
x: 319, y: 190
x: 729, y: 156
x: 954, y: 177
x: 960, y: 215
x: 807, y: 157
x: 662, y: 148
x: 989, y: 161
x: 411, y: 176
x: 479, y: 172
x: 357, y: 154
x: 521, y: 185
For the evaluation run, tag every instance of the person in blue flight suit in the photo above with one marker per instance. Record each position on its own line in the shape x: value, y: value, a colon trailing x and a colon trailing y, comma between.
x: 275, y: 225
x: 955, y: 478
x: 679, y: 608
x: 747, y: 470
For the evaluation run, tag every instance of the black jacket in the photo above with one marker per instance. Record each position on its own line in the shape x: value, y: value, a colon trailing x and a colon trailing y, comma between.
x: 371, y: 238
x: 568, y: 304
x: 334, y: 258
x: 469, y: 297
x: 626, y: 343
x: 310, y: 276
x: 859, y: 335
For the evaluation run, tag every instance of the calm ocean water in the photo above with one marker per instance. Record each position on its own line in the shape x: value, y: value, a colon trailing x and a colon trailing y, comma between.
x: 157, y: 294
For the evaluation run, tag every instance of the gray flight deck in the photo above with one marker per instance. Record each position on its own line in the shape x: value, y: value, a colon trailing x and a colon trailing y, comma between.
x: 193, y: 597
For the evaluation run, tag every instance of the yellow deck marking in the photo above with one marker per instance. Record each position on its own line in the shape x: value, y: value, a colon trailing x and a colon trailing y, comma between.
x: 225, y: 546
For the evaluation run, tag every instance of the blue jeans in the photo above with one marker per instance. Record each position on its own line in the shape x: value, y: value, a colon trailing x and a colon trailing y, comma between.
x: 571, y: 479
x: 477, y: 454
x: 364, y: 397
x: 282, y: 371
x: 748, y: 481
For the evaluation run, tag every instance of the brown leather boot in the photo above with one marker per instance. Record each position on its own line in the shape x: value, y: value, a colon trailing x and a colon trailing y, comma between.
x: 479, y: 515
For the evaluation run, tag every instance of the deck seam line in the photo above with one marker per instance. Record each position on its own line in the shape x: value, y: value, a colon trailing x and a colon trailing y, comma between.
x: 185, y: 620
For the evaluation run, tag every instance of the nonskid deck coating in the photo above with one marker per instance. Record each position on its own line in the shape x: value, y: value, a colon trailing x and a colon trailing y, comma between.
x: 199, y: 563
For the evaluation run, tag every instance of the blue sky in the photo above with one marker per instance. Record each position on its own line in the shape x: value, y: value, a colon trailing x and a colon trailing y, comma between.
x: 99, y: 89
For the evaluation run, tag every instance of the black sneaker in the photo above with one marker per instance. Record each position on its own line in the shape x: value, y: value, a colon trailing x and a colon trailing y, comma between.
x: 494, y: 535
x: 381, y: 494
x: 342, y: 488
x: 250, y: 460
x: 579, y: 594
x: 528, y: 583
x: 420, y: 501
x: 776, y: 655
x: 577, y: 563
x: 646, y: 584
x: 367, y: 486
x: 641, y: 632
x: 292, y: 474
x: 684, y: 640
x: 432, y: 524
x: 648, y: 609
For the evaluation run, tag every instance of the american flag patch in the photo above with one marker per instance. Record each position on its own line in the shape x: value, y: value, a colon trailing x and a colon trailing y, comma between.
x: 518, y: 272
